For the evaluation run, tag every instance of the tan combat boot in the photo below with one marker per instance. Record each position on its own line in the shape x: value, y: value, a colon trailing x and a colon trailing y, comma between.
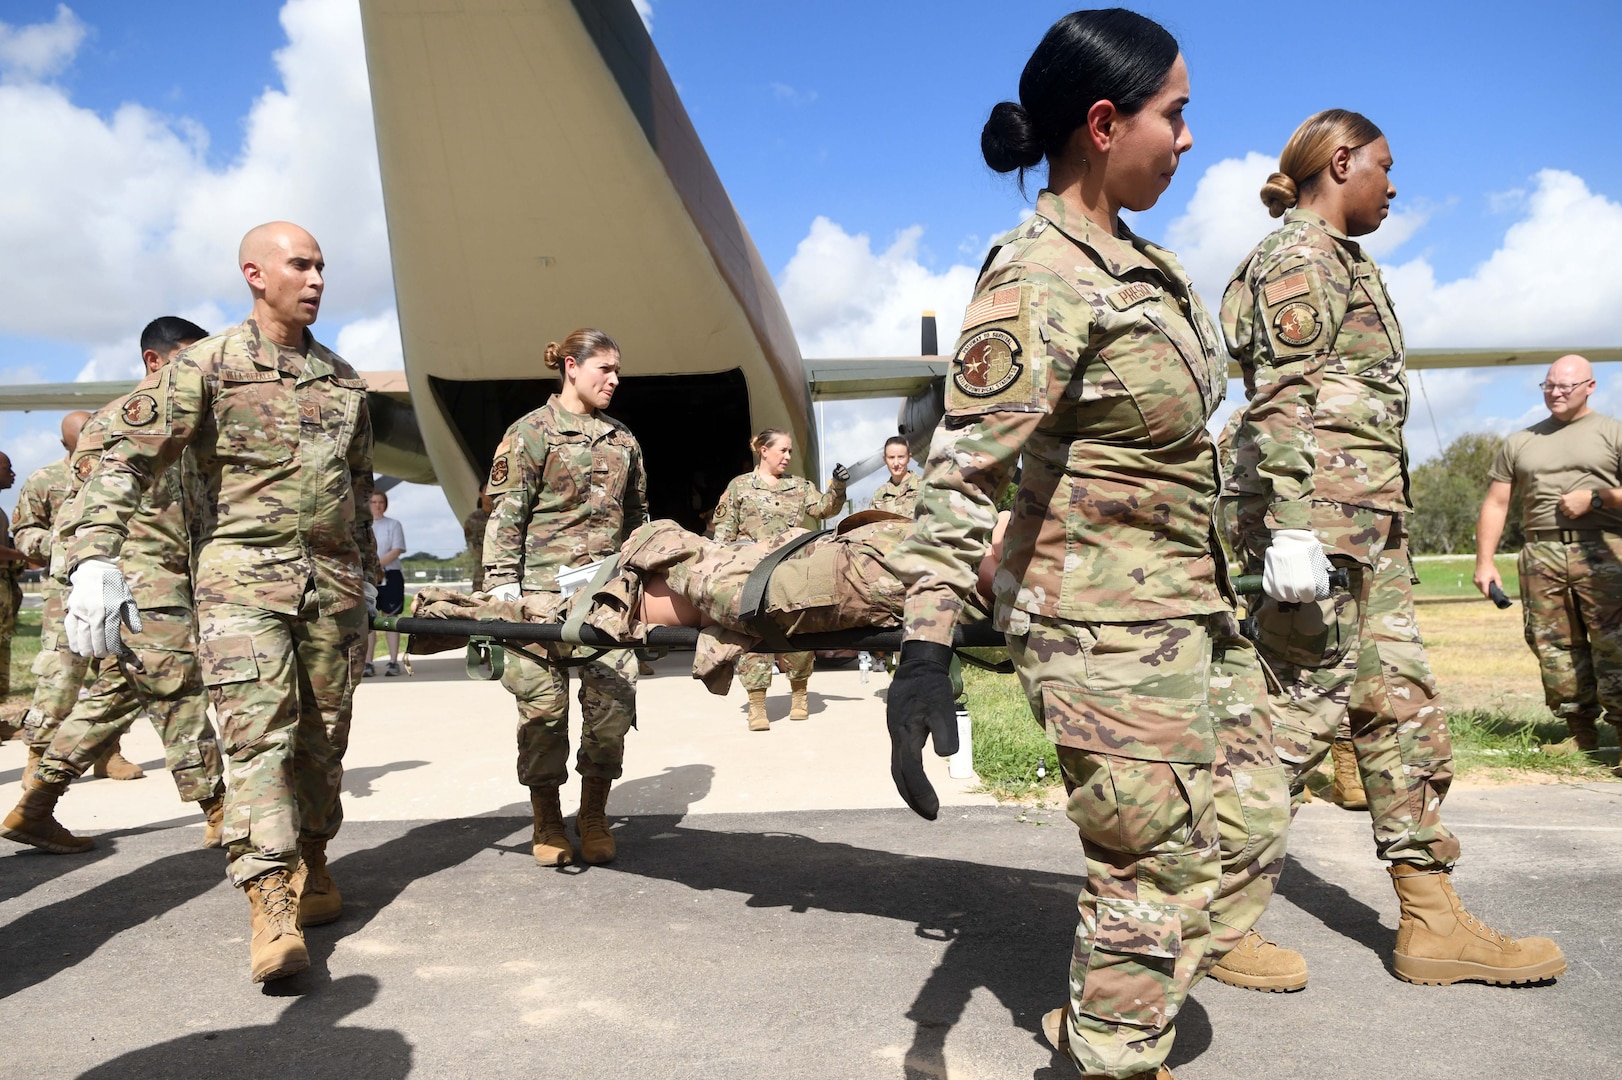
x: 1583, y: 738
x: 32, y: 822
x: 1440, y: 943
x: 116, y: 766
x: 1258, y: 964
x: 213, y: 809
x: 757, y: 711
x: 319, y: 901
x: 34, y: 758
x: 276, y: 949
x: 1057, y: 1033
x: 591, y: 823
x: 1347, y: 791
x: 799, y: 708
x: 549, y: 843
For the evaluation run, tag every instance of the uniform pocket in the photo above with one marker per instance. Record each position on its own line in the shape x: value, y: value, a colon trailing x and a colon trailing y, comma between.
x: 1138, y: 726
x: 227, y: 659
x: 1135, y: 949
x: 1314, y: 634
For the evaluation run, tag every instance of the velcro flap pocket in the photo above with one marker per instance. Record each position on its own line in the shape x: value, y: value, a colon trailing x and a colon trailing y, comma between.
x: 1138, y: 928
x: 800, y: 583
x: 228, y: 659
x: 1129, y: 725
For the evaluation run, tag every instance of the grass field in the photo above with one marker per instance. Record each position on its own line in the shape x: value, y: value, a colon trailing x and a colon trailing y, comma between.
x: 1487, y: 675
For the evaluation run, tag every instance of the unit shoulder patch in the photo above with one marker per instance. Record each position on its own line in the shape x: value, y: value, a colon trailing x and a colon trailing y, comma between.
x: 1298, y: 323
x: 140, y: 410
x: 987, y: 364
x: 84, y: 467
x: 499, y: 471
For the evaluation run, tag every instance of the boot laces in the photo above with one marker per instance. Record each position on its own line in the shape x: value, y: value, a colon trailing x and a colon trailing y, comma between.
x: 276, y: 895
x: 1475, y: 924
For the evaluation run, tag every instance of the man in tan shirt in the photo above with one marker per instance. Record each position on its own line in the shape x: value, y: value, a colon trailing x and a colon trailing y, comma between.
x: 1568, y: 470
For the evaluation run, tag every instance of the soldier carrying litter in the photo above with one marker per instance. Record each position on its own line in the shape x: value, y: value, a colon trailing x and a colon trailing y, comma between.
x: 162, y: 679
x: 1568, y: 469
x: 758, y: 505
x: 1319, y: 466
x: 285, y: 571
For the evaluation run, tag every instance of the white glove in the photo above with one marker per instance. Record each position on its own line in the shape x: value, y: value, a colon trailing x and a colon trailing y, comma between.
x: 510, y: 591
x: 99, y: 602
x: 1296, y: 571
x: 370, y: 592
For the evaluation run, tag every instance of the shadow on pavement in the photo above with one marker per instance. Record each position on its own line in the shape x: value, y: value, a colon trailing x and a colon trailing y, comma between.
x: 1007, y: 930
x: 1337, y: 909
x: 358, y: 782
x: 305, y: 1040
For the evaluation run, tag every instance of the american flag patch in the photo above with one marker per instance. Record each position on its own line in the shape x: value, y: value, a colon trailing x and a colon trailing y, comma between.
x: 1285, y: 289
x: 1002, y: 304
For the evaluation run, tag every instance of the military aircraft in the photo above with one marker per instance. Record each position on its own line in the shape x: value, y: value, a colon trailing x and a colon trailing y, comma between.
x: 540, y: 173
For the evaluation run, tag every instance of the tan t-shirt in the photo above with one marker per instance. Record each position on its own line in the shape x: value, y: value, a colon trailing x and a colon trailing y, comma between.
x: 1550, y: 458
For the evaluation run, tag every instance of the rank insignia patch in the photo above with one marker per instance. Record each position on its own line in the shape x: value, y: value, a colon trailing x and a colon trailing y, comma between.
x: 1297, y: 324
x: 987, y: 364
x: 140, y: 410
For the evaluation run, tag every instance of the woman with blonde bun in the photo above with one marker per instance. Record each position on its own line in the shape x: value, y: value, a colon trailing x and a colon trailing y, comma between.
x: 761, y: 505
x: 1319, y: 469
x: 567, y: 486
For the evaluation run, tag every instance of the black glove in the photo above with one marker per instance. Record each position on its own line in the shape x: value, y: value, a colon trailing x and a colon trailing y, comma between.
x: 920, y: 704
x: 841, y: 474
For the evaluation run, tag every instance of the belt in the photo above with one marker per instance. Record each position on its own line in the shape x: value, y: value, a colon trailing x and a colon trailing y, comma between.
x: 1571, y: 536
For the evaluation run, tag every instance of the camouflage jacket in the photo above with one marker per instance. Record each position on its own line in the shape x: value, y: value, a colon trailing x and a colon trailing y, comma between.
x: 751, y: 509
x: 39, y: 510
x: 1308, y: 318
x: 10, y: 569
x: 283, y: 451
x: 567, y: 489
x: 156, y: 556
x: 1090, y: 356
x: 897, y: 498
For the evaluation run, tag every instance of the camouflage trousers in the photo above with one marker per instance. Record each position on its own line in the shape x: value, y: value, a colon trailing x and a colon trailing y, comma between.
x: 1358, y: 657
x: 607, y: 712
x: 1571, y: 595
x: 282, y: 687
x: 59, y: 675
x: 11, y: 602
x: 1163, y: 736
x: 169, y: 693
x: 755, y: 669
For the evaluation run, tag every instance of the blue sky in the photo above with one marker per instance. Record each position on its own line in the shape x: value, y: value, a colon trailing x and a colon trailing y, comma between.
x: 847, y: 134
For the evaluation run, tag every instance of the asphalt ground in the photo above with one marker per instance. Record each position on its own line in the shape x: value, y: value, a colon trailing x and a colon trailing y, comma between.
x: 814, y: 942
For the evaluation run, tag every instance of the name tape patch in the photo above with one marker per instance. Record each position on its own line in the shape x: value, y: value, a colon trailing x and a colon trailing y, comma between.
x: 1128, y: 295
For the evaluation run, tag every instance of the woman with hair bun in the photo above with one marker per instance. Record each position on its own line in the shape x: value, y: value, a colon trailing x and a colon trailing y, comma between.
x: 1318, y: 467
x: 566, y: 487
x: 1086, y: 355
x: 761, y: 505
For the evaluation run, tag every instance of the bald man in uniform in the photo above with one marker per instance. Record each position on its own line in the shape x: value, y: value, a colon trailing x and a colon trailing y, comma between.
x: 34, y: 527
x: 284, y: 573
x: 1568, y: 470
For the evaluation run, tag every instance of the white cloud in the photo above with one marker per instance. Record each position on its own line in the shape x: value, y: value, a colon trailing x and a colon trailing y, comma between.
x: 427, y: 519
x: 125, y: 219
x: 1555, y: 280
x: 31, y: 53
x: 372, y: 344
x: 844, y: 299
x: 644, y: 8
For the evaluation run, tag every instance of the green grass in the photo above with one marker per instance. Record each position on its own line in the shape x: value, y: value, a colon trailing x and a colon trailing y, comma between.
x: 1451, y: 577
x: 1009, y: 745
x: 24, y: 647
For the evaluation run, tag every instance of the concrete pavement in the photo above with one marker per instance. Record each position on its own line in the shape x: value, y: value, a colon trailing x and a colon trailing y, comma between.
x: 772, y: 914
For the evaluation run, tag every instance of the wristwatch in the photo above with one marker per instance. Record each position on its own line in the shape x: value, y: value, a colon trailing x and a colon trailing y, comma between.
x: 1595, y: 502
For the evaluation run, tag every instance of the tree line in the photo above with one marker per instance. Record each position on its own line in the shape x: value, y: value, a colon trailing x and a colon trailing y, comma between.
x: 1447, y: 492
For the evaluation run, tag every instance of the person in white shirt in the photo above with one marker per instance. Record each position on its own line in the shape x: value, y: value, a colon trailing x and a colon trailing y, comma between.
x: 391, y: 597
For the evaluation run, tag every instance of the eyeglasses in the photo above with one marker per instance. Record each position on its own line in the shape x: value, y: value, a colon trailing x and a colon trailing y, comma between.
x: 1561, y: 387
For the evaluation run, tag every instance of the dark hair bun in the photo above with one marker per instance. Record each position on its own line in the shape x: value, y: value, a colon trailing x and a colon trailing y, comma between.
x: 1009, y: 140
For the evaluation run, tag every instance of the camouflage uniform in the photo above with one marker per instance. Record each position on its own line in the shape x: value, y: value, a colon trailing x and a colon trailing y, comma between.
x: 11, y: 602
x: 1088, y: 357
x: 1570, y: 568
x: 1308, y: 317
x: 566, y: 489
x: 473, y: 534
x: 897, y: 498
x: 58, y: 672
x: 156, y: 561
x: 752, y: 509
x: 283, y: 542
